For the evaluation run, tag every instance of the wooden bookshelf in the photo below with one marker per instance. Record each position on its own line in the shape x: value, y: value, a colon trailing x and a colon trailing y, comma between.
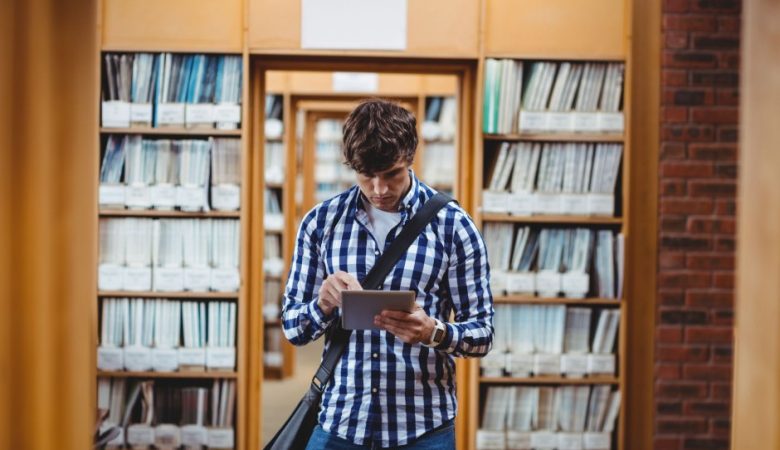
x: 557, y: 137
x: 181, y: 375
x: 158, y: 214
x: 549, y: 380
x: 170, y: 131
x: 172, y: 295
x: 528, y: 299
x: 561, y: 219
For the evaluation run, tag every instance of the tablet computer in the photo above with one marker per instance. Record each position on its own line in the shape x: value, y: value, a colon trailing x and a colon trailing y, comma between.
x: 358, y: 308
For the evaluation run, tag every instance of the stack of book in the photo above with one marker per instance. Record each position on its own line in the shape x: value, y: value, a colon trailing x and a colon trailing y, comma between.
x: 552, y: 340
x: 553, y: 178
x: 540, y: 96
x: 169, y: 255
x: 163, y: 335
x: 163, y: 414
x: 171, y: 90
x: 548, y: 262
x: 566, y: 417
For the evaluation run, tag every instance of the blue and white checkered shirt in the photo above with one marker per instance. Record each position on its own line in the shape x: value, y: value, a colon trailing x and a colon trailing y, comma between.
x: 383, y: 390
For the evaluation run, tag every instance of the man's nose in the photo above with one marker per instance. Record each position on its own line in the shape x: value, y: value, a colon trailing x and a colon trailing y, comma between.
x: 380, y: 187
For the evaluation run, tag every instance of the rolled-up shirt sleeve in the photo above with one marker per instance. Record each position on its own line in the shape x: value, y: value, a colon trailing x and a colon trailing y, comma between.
x: 471, y: 334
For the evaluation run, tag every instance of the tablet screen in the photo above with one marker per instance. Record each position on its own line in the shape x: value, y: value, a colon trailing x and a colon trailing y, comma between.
x: 358, y: 308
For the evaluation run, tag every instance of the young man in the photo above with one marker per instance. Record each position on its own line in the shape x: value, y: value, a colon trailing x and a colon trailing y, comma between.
x: 394, y: 387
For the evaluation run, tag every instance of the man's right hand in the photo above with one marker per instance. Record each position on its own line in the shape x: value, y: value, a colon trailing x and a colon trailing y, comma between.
x: 330, y: 291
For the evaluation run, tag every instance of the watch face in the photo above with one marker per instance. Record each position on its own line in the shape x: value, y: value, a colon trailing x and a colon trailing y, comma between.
x: 437, y: 335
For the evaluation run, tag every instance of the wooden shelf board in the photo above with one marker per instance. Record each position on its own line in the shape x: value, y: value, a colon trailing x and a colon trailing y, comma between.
x: 523, y: 299
x: 272, y: 373
x: 267, y: 231
x: 169, y: 214
x: 184, y: 295
x: 271, y: 185
x: 176, y: 375
x: 549, y: 380
x: 583, y: 220
x: 272, y: 323
x: 171, y: 131
x: 556, y: 137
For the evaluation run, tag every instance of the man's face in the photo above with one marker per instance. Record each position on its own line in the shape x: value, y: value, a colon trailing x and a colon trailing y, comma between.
x: 385, y: 189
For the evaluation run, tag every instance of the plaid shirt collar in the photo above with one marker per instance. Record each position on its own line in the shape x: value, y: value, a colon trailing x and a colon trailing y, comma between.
x: 409, y: 204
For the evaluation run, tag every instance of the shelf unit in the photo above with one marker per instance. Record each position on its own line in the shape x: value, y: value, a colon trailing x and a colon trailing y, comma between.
x: 240, y: 374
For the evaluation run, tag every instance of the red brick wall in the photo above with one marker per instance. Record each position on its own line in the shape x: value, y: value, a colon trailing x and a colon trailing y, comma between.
x: 697, y: 183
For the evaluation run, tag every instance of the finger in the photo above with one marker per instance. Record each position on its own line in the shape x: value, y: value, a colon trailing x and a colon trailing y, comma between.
x: 346, y: 279
x: 395, y: 322
x: 398, y: 315
x: 398, y: 332
x: 354, y: 285
x: 332, y: 294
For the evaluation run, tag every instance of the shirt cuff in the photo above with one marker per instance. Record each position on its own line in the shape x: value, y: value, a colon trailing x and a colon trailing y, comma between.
x: 318, y: 316
x: 450, y: 342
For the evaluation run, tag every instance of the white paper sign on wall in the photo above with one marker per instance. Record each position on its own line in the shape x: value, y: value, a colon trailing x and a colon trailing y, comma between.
x: 353, y: 24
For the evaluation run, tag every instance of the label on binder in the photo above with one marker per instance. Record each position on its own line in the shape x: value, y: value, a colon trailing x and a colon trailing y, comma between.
x: 193, y: 435
x: 170, y: 114
x: 119, y: 440
x: 227, y: 112
x: 601, y: 364
x: 220, y: 438
x: 520, y: 283
x: 559, y: 121
x: 271, y: 311
x: 274, y: 222
x: 521, y: 204
x: 547, y: 364
x: 137, y: 278
x: 273, y: 267
x: 547, y: 203
x: 569, y: 441
x: 111, y: 277
x: 168, y: 279
x: 167, y: 436
x: 165, y: 359
x: 491, y: 440
x: 585, y: 122
x: 575, y: 284
x: 115, y: 114
x: 138, y: 197
x: 495, y: 201
x: 518, y: 440
x: 601, y: 204
x: 197, y: 279
x: 138, y: 359
x: 110, y: 358
x: 141, y: 113
x: 221, y: 357
x: 574, y: 204
x: 140, y: 434
x: 611, y: 122
x: 548, y: 283
x: 574, y: 364
x: 224, y: 279
x: 533, y: 121
x: 546, y: 440
x: 498, y: 282
x: 192, y: 357
x: 273, y: 359
x: 226, y: 197
x: 520, y: 364
x: 273, y: 128
x: 111, y: 195
x: 191, y: 198
x: 163, y: 196
x: 597, y: 441
x: 493, y: 364
x: 199, y: 113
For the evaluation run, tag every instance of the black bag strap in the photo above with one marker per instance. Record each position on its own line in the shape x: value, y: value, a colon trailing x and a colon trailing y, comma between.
x: 375, y: 278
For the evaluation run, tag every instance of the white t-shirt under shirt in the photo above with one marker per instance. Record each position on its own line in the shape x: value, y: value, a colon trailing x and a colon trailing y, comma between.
x: 381, y: 222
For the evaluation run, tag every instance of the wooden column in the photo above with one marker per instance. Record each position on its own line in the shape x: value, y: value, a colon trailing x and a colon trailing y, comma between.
x: 756, y: 403
x: 48, y: 127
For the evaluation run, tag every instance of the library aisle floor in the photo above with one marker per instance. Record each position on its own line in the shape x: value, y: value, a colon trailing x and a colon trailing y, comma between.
x: 281, y: 396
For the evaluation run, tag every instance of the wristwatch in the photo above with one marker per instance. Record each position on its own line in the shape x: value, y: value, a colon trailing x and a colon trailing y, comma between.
x: 439, y: 332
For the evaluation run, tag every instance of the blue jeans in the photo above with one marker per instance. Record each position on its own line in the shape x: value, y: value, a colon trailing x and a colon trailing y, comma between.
x: 442, y: 438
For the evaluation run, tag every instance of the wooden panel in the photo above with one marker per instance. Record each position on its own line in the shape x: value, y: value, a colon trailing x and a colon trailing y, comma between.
x: 276, y: 25
x: 555, y: 29
x: 399, y: 84
x: 756, y: 407
x: 175, y: 25
x: 443, y: 85
x: 276, y: 82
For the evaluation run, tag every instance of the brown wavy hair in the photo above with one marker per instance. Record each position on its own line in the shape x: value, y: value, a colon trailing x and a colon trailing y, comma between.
x: 377, y: 135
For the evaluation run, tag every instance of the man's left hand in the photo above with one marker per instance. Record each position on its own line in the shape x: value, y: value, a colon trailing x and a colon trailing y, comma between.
x: 411, y: 328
